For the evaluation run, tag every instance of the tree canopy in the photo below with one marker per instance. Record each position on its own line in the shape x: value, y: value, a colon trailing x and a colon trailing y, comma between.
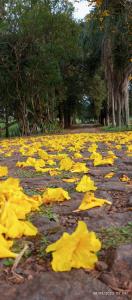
x: 53, y: 68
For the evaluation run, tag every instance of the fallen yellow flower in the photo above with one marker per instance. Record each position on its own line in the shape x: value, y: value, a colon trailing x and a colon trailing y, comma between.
x: 89, y: 201
x: 5, y: 248
x: 109, y: 175
x: 95, y: 155
x: 118, y: 147
x: 66, y: 164
x: 77, y: 250
x: 103, y: 161
x: 93, y: 148
x: 78, y: 155
x: 70, y: 180
x: 55, y: 195
x: 14, y: 227
x: 3, y: 171
x: 79, y: 167
x: 125, y: 178
x: 43, y: 154
x: 54, y: 172
x: 31, y: 162
x: 12, y: 192
x: 86, y: 184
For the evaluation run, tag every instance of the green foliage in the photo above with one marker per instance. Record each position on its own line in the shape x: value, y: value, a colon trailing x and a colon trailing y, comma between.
x: 51, y: 127
x: 38, y: 44
x: 116, y: 129
x: 47, y: 211
x: 12, y: 128
x: 51, y: 71
x: 43, y: 243
x: 8, y: 262
x: 115, y: 236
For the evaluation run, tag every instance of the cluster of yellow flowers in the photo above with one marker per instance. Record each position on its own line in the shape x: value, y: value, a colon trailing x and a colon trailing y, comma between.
x: 57, y: 155
x: 14, y: 206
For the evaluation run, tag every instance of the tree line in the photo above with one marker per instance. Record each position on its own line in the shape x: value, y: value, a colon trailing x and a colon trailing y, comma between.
x: 55, y: 69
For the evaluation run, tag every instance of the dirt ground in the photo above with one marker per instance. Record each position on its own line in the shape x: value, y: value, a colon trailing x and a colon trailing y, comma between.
x: 33, y: 279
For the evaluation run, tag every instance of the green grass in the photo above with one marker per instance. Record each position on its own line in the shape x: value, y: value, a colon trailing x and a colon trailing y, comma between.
x: 8, y: 262
x: 27, y: 173
x: 47, y: 211
x: 42, y: 247
x: 32, y: 192
x: 115, y: 236
x: 117, y: 129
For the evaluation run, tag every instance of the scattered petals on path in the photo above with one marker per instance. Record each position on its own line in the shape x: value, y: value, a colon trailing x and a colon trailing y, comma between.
x: 56, y: 159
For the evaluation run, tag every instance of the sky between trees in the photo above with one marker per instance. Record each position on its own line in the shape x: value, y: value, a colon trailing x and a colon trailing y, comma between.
x: 81, y: 9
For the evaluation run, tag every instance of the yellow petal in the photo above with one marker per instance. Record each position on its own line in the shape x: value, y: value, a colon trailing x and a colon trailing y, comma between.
x: 55, y: 195
x: 70, y: 180
x: 109, y: 175
x: 4, y: 252
x: 86, y: 184
x: 89, y: 201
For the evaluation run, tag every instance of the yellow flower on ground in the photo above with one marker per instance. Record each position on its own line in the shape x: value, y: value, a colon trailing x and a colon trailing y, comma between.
x: 14, y: 227
x: 111, y: 155
x: 42, y: 170
x: 78, y: 155
x: 93, y: 148
x: 70, y: 180
x: 29, y: 229
x: 5, y: 248
x: 86, y: 184
x: 129, y: 147
x: 103, y: 161
x: 3, y: 171
x: 125, y: 178
x: 55, y: 195
x: 54, y: 172
x: 2, y: 229
x: 79, y: 167
x: 89, y: 201
x: 12, y: 193
x: 118, y: 147
x: 32, y: 162
x: 95, y: 155
x: 51, y: 162
x: 77, y: 250
x: 43, y: 154
x: 66, y: 164
x: 109, y: 175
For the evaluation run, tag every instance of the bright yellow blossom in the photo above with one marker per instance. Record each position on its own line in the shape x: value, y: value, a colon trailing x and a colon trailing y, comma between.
x: 77, y: 250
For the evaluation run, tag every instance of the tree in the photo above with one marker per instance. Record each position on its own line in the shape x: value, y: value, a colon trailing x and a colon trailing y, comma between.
x: 38, y: 43
x: 114, y: 20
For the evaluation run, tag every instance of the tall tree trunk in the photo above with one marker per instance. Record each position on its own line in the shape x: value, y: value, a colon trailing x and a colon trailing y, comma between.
x: 109, y: 76
x: 7, y: 121
x: 125, y: 100
x: 121, y: 96
x: 22, y: 117
x: 61, y: 115
x: 117, y: 85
